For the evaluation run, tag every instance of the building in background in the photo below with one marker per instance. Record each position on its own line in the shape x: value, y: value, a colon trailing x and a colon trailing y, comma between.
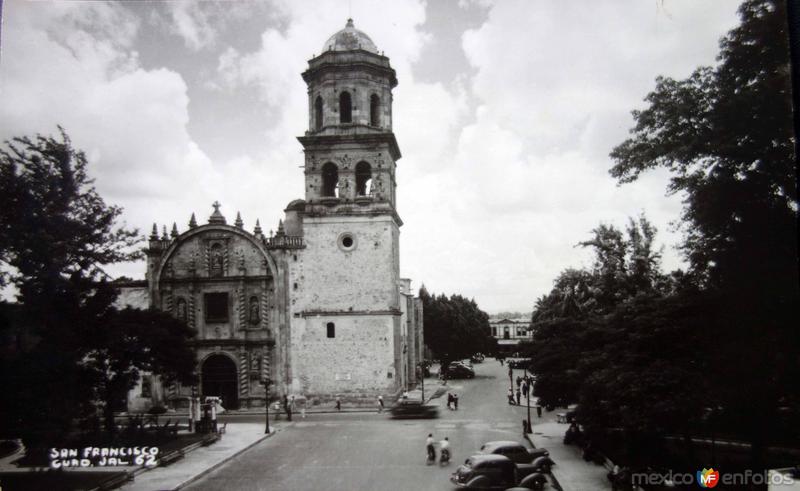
x: 509, y: 333
x: 319, y: 307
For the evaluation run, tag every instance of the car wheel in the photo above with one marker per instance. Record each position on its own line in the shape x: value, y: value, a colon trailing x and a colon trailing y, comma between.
x: 479, y: 482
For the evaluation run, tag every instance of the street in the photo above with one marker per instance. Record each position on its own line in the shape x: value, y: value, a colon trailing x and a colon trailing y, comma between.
x: 366, y: 451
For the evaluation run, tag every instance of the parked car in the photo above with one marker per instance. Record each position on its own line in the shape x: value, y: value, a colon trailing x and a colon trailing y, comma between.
x: 496, y: 472
x: 518, y: 362
x: 413, y: 408
x: 459, y: 370
x: 516, y: 452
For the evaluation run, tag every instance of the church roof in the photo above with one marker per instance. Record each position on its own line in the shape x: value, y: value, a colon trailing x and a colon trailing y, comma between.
x: 349, y: 39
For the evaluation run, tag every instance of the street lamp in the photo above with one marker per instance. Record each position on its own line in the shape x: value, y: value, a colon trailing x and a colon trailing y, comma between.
x: 266, y: 383
x: 421, y: 377
x: 528, y: 395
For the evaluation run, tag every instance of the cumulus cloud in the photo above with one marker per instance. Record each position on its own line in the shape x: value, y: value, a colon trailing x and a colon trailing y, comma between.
x: 58, y: 68
x: 504, y: 169
x: 553, y: 87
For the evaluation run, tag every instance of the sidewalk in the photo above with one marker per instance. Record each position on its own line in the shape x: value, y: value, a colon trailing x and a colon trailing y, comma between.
x: 572, y: 472
x: 238, y: 437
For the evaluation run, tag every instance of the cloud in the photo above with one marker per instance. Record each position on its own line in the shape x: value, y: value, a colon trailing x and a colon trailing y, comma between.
x: 58, y: 68
x: 192, y: 22
x: 504, y: 170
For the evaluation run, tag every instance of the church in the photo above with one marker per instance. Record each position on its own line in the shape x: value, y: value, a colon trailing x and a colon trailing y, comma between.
x: 318, y: 309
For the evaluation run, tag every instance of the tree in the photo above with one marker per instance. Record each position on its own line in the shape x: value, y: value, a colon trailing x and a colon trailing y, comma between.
x: 126, y: 342
x: 726, y: 135
x: 56, y: 235
x: 572, y: 338
x: 454, y: 327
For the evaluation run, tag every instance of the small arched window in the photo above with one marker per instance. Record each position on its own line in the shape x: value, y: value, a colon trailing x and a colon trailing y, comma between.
x: 374, y: 110
x: 345, y: 108
x: 363, y: 179
x: 318, y: 113
x: 331, y: 330
x: 330, y: 179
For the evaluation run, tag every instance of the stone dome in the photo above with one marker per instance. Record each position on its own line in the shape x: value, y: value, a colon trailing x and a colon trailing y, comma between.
x: 349, y: 39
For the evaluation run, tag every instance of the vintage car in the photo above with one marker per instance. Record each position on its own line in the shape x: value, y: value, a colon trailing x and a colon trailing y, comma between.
x: 459, y: 370
x: 496, y: 472
x: 413, y: 408
x: 516, y: 452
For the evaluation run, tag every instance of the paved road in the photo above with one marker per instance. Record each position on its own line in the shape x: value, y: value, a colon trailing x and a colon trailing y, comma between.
x: 344, y: 452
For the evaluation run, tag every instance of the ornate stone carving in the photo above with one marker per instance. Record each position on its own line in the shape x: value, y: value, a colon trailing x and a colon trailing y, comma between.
x: 243, y: 378
x: 240, y: 300
x: 217, y: 258
x: 346, y: 161
x: 182, y: 310
x: 191, y: 312
x: 254, y: 311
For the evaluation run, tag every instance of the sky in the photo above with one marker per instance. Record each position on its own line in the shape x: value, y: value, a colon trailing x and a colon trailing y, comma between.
x: 505, y: 114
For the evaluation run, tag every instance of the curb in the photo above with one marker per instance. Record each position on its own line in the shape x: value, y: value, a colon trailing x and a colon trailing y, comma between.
x: 224, y: 461
x: 556, y: 484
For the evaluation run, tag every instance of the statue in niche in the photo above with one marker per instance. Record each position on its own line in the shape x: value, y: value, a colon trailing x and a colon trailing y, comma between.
x: 255, y: 315
x: 217, y: 260
x: 182, y: 312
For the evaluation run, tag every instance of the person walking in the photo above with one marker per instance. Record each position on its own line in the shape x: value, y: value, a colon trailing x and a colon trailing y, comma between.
x: 518, y: 394
x: 430, y: 449
x: 338, y: 404
x: 444, y: 451
x: 455, y: 403
x: 449, y: 400
x: 524, y: 388
x: 539, y: 410
x: 519, y: 381
x: 380, y: 404
x: 287, y: 406
x: 510, y: 396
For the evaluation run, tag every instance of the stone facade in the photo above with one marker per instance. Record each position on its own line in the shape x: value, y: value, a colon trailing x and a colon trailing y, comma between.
x: 319, y: 308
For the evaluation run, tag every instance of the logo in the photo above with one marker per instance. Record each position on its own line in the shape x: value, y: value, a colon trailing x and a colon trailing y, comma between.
x: 707, y: 478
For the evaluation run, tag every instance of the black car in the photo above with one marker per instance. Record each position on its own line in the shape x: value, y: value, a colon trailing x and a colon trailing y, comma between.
x: 496, y: 472
x: 516, y: 452
x: 459, y: 370
x: 412, y: 408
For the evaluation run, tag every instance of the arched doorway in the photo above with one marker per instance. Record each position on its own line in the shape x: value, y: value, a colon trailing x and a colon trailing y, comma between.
x: 218, y: 378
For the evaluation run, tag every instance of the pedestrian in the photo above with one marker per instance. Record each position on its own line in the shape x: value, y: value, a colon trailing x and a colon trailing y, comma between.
x: 518, y: 394
x: 510, y: 396
x: 519, y: 381
x: 501, y: 362
x: 524, y: 389
x: 430, y: 449
x: 380, y: 404
x: 449, y: 400
x: 455, y: 401
x: 539, y: 410
x: 287, y: 407
x: 338, y: 404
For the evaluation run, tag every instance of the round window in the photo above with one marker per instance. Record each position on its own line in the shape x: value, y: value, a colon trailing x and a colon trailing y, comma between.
x: 347, y: 242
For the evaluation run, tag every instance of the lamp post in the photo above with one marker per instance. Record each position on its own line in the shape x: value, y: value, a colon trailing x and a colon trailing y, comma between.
x: 528, y: 395
x: 421, y: 377
x: 193, y: 402
x: 266, y: 383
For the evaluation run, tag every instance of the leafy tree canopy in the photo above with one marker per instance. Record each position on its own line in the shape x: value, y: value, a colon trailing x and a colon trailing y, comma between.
x: 454, y: 326
x: 67, y: 348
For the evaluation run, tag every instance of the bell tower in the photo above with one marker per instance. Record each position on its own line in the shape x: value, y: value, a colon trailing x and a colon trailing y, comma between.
x: 345, y: 306
x: 350, y: 148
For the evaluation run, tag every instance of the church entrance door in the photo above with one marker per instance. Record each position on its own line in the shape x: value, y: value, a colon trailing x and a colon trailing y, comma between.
x: 219, y: 379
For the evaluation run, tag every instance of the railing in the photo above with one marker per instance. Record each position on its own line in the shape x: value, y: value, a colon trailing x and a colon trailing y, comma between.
x: 284, y: 242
